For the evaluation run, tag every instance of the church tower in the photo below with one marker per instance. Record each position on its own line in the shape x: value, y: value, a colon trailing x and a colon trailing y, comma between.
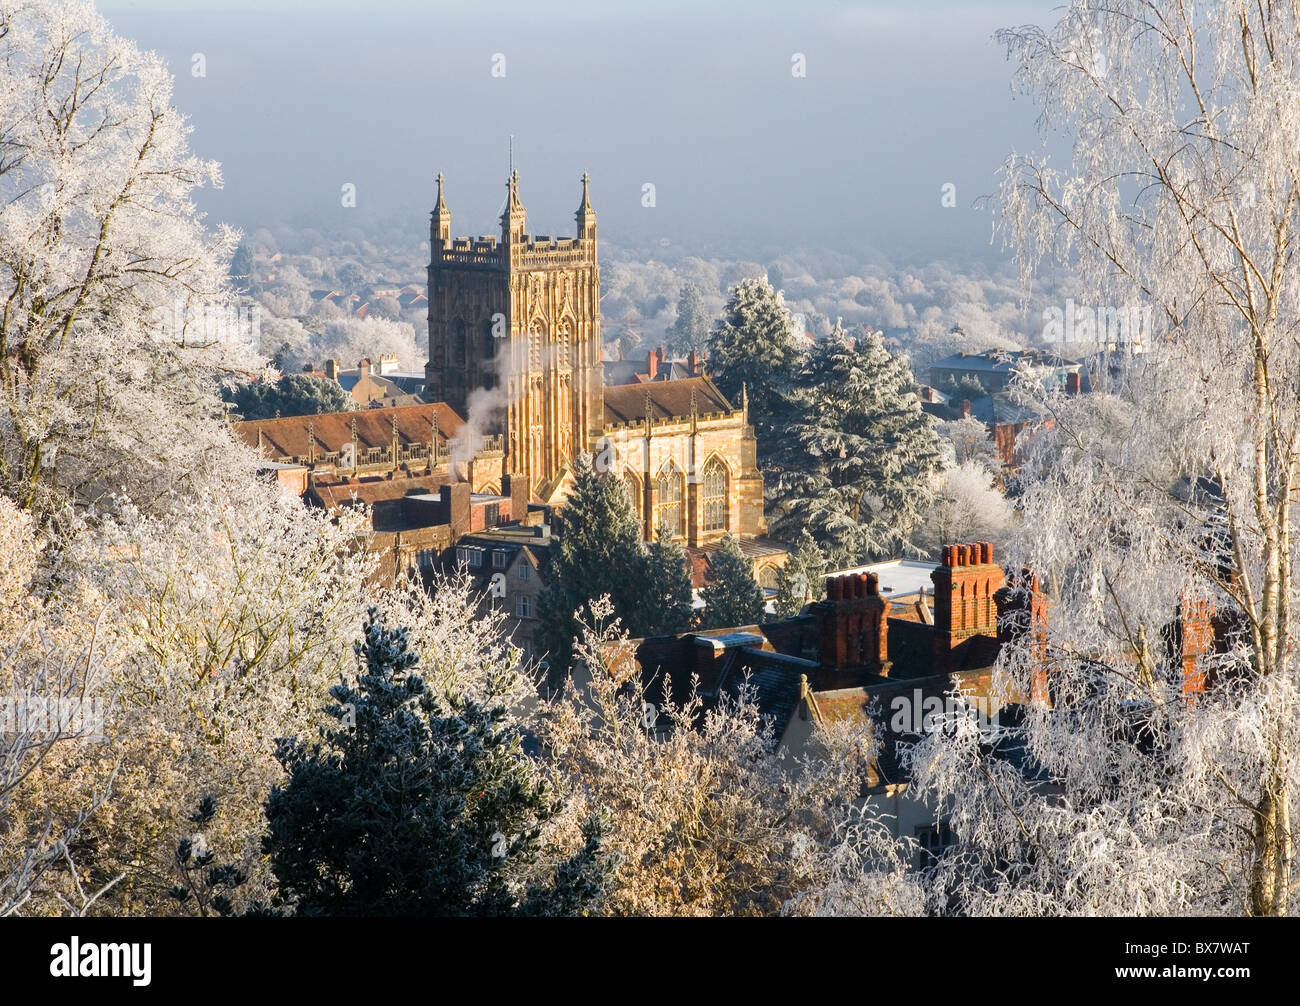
x: 520, y: 317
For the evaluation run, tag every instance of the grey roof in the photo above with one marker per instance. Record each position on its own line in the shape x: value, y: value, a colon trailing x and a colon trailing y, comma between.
x: 1001, y: 360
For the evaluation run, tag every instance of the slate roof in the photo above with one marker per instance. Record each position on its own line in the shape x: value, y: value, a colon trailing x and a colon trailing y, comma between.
x: 626, y: 403
x: 372, y: 491
x: 1001, y: 360
x: 1002, y: 408
x: 633, y: 371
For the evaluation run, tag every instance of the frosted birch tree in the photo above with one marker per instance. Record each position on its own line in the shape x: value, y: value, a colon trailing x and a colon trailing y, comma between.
x: 116, y: 316
x: 1129, y: 792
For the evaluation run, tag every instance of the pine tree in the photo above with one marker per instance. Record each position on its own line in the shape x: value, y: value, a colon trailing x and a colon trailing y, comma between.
x: 732, y: 598
x: 415, y: 804
x: 691, y: 329
x: 601, y: 553
x: 666, y: 608
x: 291, y: 395
x: 753, y: 345
x: 800, y: 580
x: 857, y: 464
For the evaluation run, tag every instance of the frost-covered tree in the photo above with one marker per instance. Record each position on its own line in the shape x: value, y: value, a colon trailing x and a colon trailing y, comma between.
x: 967, y: 506
x: 856, y: 464
x: 802, y: 579
x: 1180, y: 198
x: 691, y: 329
x: 969, y: 440
x: 56, y: 659
x: 753, y: 346
x: 414, y: 802
x: 705, y: 817
x: 731, y: 597
x: 117, y: 316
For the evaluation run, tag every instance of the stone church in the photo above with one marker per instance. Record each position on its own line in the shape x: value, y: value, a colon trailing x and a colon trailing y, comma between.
x: 515, y: 347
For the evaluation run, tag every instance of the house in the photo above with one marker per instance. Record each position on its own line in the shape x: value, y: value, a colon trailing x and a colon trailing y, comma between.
x: 886, y: 649
x: 378, y: 381
x: 993, y: 370
x: 656, y: 367
x: 509, y: 566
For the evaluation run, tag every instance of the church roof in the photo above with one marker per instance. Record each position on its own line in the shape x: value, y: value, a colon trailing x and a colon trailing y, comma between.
x: 626, y: 403
x: 287, y: 437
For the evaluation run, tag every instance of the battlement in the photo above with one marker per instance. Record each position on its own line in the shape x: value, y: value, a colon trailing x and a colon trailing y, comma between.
x: 533, y: 252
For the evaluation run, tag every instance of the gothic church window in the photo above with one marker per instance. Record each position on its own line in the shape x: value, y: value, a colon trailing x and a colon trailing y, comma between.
x: 536, y: 339
x: 670, y: 514
x: 715, y: 496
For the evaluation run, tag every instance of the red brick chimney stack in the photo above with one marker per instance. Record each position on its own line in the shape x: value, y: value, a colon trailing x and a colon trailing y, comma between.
x: 651, y: 365
x: 963, y: 601
x: 454, y: 501
x: 1193, y: 639
x: 853, y: 624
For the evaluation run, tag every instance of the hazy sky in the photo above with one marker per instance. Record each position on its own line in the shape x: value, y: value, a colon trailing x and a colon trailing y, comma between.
x: 697, y: 99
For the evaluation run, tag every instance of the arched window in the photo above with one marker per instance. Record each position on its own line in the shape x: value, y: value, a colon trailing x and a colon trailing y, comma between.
x: 536, y: 339
x: 670, y: 514
x: 767, y: 578
x: 716, y: 511
x: 560, y: 342
x: 634, y: 493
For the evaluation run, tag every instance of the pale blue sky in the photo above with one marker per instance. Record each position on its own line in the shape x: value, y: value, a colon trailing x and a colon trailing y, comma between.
x: 698, y: 100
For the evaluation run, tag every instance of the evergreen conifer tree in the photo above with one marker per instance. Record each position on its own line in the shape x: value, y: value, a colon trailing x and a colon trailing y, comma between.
x: 416, y: 804
x: 691, y: 329
x: 601, y: 553
x: 857, y: 465
x: 732, y: 598
x: 800, y: 580
x: 753, y: 345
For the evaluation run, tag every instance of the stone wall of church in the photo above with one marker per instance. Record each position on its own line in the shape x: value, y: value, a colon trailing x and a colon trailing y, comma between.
x: 691, y: 475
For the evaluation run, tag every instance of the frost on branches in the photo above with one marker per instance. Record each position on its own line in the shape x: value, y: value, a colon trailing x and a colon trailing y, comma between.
x: 116, y: 319
x: 1174, y: 487
x: 705, y: 817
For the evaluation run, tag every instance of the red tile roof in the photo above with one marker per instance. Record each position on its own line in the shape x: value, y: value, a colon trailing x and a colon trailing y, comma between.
x: 287, y: 437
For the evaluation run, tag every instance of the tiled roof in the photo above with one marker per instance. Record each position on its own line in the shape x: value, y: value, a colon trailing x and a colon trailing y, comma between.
x: 751, y: 548
x: 287, y: 437
x: 626, y: 403
x: 372, y: 491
